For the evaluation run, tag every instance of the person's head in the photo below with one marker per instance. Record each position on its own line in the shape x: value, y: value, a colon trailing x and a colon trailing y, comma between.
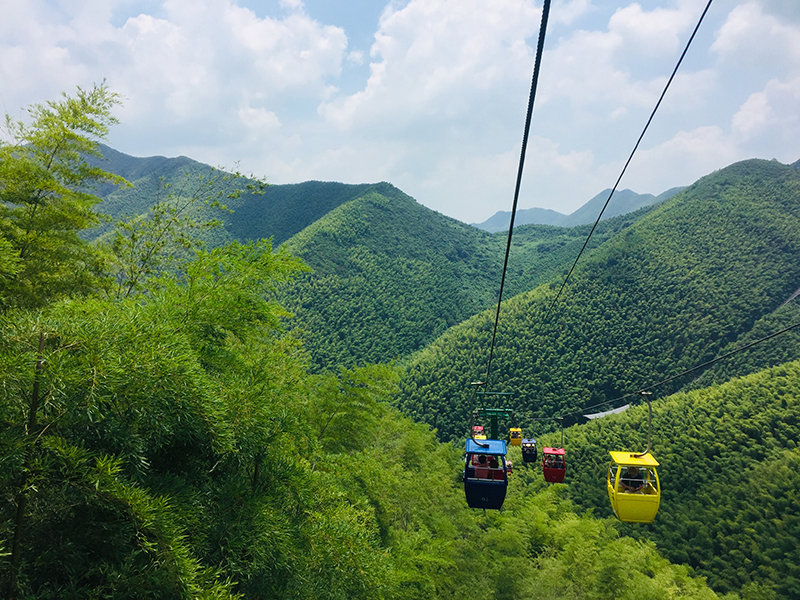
x: 633, y: 471
x: 482, y: 459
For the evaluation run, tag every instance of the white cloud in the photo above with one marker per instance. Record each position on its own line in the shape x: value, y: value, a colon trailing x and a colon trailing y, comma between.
x: 753, y: 116
x: 650, y: 33
x: 438, y: 105
x: 771, y: 115
x: 567, y: 11
x: 591, y: 68
x: 206, y: 66
x: 752, y: 37
x: 681, y: 160
x: 435, y: 57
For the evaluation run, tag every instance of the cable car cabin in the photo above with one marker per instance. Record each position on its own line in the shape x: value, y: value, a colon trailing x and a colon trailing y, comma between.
x: 515, y: 436
x: 554, y: 464
x: 477, y: 432
x: 485, y: 474
x: 633, y: 487
x: 529, y: 450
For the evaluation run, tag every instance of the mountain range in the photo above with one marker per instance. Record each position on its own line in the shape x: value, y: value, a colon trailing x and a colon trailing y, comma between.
x: 622, y: 202
x: 692, y: 276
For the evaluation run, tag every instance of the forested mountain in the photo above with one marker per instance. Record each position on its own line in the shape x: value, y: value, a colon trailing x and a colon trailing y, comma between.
x: 500, y: 220
x: 279, y: 212
x: 182, y: 450
x: 730, y: 472
x: 166, y: 440
x: 389, y: 275
x: 623, y: 202
x: 165, y: 433
x: 665, y: 294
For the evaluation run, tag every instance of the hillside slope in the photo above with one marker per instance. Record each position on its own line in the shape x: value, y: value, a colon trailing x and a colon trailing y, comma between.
x: 667, y: 293
x: 730, y: 473
x: 280, y: 212
x: 391, y: 275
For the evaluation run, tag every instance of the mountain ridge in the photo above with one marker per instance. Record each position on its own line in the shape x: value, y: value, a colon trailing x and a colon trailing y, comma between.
x: 668, y: 292
x: 624, y: 201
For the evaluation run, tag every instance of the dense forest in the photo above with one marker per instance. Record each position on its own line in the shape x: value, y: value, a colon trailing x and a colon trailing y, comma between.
x: 729, y: 469
x: 673, y: 290
x: 170, y: 429
x: 254, y: 212
x: 389, y: 275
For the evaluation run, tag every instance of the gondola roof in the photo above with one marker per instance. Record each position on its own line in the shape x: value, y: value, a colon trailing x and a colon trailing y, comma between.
x: 492, y: 447
x: 631, y: 458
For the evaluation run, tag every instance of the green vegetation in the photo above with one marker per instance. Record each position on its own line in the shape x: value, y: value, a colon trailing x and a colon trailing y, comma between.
x: 276, y: 212
x: 672, y: 290
x: 173, y: 444
x: 176, y: 447
x: 390, y: 276
x: 730, y: 471
x: 778, y: 350
x: 185, y: 437
x: 43, y: 203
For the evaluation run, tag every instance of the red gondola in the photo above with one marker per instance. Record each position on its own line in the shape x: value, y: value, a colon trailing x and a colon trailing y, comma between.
x: 554, y: 464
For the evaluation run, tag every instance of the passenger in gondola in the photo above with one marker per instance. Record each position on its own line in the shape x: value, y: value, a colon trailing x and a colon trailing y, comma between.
x: 632, y: 481
x: 495, y: 470
x: 482, y: 468
x: 553, y: 461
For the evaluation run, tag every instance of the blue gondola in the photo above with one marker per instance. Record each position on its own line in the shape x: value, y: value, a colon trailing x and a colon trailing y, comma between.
x: 485, y: 473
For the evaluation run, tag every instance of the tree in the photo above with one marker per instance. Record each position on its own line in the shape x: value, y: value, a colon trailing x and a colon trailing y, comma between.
x: 162, y: 240
x: 46, y: 199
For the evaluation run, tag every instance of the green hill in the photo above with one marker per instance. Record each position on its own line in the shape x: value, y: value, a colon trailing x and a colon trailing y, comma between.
x: 391, y: 275
x: 670, y: 291
x: 280, y: 212
x: 623, y: 201
x: 175, y: 440
x: 730, y: 473
x: 174, y: 445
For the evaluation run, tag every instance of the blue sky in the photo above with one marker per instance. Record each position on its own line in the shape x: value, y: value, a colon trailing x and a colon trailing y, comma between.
x: 429, y: 95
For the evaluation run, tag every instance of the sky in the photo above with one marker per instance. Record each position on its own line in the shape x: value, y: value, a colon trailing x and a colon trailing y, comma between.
x: 429, y: 95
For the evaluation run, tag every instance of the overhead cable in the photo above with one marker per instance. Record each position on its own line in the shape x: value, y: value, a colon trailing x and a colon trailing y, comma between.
x: 628, y: 162
x: 534, y: 81
x: 684, y: 373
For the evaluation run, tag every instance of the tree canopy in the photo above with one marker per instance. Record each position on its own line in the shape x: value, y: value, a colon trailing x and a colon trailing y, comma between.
x: 178, y: 440
x: 46, y: 199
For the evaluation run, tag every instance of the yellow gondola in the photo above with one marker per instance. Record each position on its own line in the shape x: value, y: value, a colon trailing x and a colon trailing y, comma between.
x: 515, y: 436
x: 633, y: 486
